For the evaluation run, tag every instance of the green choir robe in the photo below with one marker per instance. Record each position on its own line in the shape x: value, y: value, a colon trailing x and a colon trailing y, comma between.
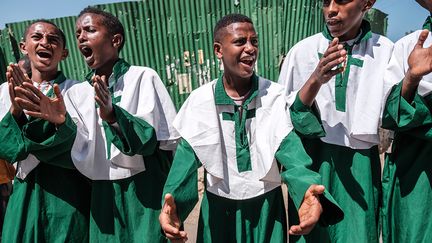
x: 50, y: 202
x: 124, y: 160
x: 407, y: 172
x: 352, y: 176
x: 343, y: 139
x: 242, y: 200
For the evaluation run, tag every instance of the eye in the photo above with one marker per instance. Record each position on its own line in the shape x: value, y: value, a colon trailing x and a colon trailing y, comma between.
x: 254, y: 41
x: 240, y: 41
x: 36, y: 36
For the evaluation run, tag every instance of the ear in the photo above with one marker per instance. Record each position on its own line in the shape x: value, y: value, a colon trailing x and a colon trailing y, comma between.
x: 369, y: 4
x: 217, y: 47
x: 65, y: 53
x: 117, y: 40
x: 23, y: 48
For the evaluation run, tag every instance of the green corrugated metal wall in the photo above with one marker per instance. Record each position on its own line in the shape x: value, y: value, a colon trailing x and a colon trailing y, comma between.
x: 175, y: 37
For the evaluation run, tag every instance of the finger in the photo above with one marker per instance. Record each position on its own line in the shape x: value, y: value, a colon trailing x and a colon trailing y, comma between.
x: 333, y: 46
x: 34, y: 114
x: 16, y: 74
x: 295, y: 230
x: 14, y: 77
x: 11, y: 91
x: 331, y: 73
x: 26, y: 104
x: 105, y: 81
x: 34, y: 90
x: 316, y: 189
x: 333, y: 64
x: 19, y: 73
x: 103, y: 84
x: 57, y: 91
x: 103, y: 89
x: 100, y: 94
x: 422, y: 38
x: 169, y: 205
x: 26, y: 94
x: 335, y: 57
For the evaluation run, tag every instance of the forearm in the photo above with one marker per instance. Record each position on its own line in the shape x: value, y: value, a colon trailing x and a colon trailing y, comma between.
x: 310, y: 90
x: 409, y: 86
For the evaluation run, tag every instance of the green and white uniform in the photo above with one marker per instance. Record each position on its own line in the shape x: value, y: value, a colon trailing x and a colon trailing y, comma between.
x: 242, y: 148
x: 406, y: 177
x: 51, y: 199
x: 340, y: 132
x: 124, y: 160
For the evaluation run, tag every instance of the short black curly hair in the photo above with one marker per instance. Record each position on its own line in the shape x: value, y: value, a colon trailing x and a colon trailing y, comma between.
x: 111, y: 22
x: 227, y: 20
x: 58, y: 30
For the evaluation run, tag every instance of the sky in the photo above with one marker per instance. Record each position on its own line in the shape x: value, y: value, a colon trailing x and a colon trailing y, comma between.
x: 404, y: 15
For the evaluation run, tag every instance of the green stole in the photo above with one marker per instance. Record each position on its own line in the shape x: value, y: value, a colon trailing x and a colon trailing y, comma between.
x: 119, y: 69
x: 428, y: 23
x: 239, y: 115
x: 341, y: 81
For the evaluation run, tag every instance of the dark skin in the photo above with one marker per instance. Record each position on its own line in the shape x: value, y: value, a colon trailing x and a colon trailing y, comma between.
x: 237, y: 48
x: 45, y: 49
x: 343, y: 19
x: 92, y: 34
x: 419, y: 61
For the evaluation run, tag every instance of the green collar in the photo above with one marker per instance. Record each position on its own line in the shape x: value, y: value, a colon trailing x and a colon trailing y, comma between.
x: 119, y: 69
x: 60, y: 78
x: 428, y: 23
x: 366, y: 32
x: 222, y: 98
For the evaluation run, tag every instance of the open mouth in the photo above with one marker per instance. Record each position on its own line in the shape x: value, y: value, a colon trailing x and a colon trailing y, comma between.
x: 44, y: 54
x: 247, y: 61
x: 86, y: 51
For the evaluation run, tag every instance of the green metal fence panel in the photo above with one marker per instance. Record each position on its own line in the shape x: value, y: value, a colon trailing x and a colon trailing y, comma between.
x: 176, y: 37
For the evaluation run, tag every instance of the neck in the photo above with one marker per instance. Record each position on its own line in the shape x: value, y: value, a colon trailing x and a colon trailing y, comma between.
x: 351, y: 34
x: 107, y: 68
x: 38, y: 76
x: 237, y: 87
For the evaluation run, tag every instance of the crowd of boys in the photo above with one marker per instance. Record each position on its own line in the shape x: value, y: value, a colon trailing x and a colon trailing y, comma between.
x: 109, y: 159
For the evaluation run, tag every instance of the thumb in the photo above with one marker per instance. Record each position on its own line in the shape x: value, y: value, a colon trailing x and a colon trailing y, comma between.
x: 316, y: 189
x: 422, y: 38
x: 169, y: 205
x: 57, y: 91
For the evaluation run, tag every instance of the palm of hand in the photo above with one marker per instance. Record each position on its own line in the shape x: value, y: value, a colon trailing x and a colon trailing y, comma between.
x: 420, y: 61
x: 53, y: 109
x: 310, y: 208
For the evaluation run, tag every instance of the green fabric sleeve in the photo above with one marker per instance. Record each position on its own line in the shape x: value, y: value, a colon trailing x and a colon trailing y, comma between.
x: 306, y: 120
x: 12, y: 147
x: 298, y: 177
x: 399, y: 115
x: 136, y: 136
x: 182, y: 181
x: 50, y: 144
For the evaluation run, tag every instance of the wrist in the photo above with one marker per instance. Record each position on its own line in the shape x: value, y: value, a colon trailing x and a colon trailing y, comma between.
x: 412, y: 80
x: 16, y: 112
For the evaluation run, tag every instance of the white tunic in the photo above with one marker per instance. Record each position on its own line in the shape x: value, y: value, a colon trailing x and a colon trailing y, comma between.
x: 200, y: 122
x: 398, y: 65
x: 24, y: 167
x: 143, y: 95
x: 357, y: 126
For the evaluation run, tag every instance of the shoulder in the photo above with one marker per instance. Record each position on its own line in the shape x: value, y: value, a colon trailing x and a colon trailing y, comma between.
x: 313, y: 40
x: 384, y: 41
x: 410, y: 40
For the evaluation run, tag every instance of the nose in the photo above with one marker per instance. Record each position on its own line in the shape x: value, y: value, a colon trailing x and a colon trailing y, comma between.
x: 333, y: 9
x: 249, y: 47
x: 44, y: 40
x: 81, y: 37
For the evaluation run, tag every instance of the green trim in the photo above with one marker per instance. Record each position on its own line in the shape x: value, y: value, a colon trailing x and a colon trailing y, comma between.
x: 341, y: 79
x: 427, y: 25
x: 341, y: 82
x: 242, y: 143
x: 58, y: 80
